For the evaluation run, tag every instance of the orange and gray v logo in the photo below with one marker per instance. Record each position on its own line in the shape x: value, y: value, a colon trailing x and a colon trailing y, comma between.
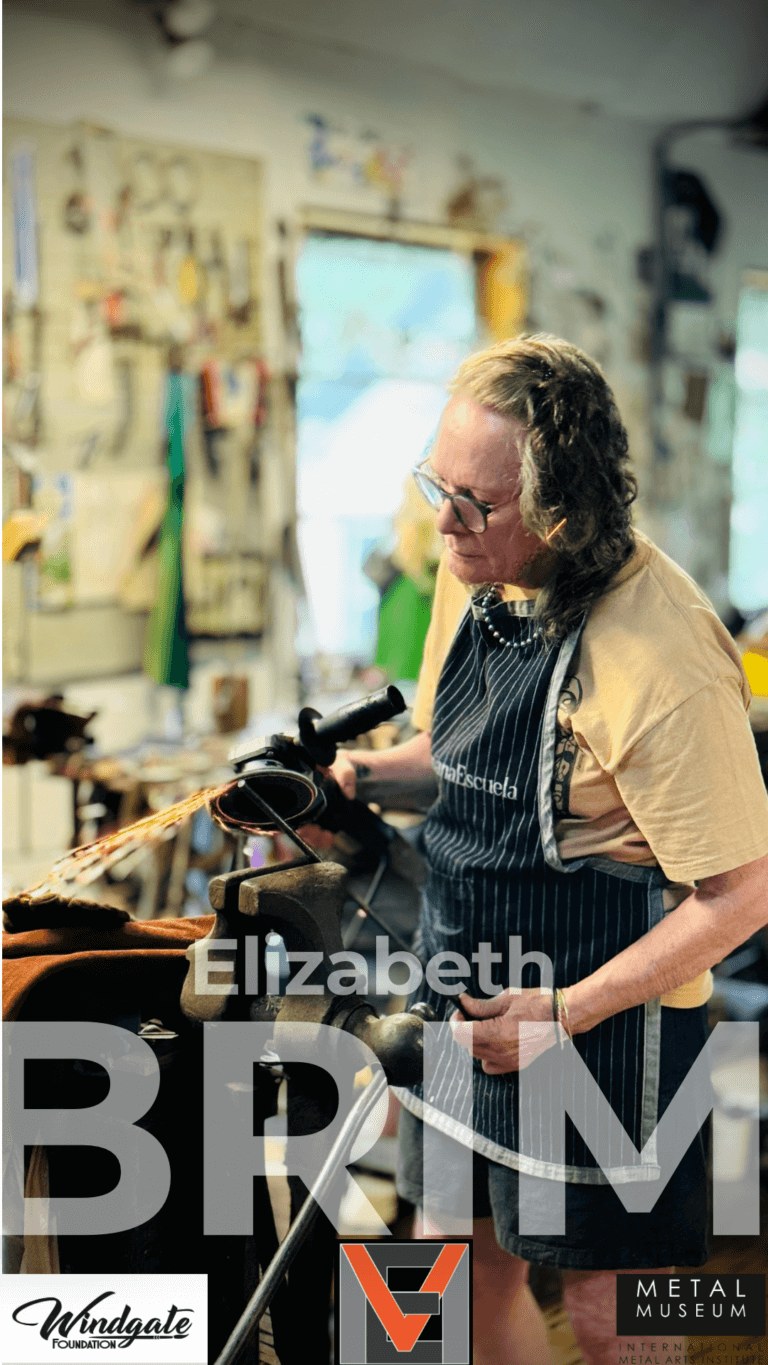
x: 414, y: 1304
x: 403, y: 1328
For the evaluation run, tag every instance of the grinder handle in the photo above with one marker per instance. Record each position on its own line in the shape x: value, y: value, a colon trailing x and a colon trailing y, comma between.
x: 320, y: 735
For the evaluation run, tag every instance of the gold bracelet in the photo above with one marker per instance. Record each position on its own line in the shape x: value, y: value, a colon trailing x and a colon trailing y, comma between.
x: 558, y: 1034
x: 561, y: 1013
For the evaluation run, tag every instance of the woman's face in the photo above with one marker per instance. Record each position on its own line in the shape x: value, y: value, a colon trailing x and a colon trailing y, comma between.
x: 478, y: 451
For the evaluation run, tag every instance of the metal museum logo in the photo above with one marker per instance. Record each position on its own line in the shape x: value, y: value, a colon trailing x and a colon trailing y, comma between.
x: 403, y: 1301
x: 151, y: 1317
x: 726, y: 1305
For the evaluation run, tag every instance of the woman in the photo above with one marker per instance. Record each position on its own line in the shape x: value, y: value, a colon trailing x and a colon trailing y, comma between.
x: 599, y: 799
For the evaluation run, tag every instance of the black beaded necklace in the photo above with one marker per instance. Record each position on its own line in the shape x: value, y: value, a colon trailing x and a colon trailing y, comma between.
x: 492, y: 596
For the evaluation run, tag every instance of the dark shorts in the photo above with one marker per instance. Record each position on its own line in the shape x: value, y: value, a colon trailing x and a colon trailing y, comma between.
x: 600, y: 1234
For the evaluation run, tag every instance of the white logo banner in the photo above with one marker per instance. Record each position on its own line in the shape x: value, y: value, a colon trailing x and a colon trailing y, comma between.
x: 145, y: 1318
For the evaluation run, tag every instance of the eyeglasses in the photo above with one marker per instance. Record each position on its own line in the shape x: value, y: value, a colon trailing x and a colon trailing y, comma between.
x: 472, y: 513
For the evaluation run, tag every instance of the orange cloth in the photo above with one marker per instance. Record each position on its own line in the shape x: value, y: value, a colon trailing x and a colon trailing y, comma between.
x: 103, y: 960
x: 157, y: 946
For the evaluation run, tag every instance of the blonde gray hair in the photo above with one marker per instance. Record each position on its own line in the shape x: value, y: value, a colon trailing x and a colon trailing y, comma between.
x: 574, y: 464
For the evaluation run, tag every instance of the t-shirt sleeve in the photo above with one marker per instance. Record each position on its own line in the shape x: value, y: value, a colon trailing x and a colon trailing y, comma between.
x: 693, y: 786
x: 450, y: 600
x: 423, y: 706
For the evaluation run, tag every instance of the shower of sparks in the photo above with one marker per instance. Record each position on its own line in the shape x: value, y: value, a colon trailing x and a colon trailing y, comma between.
x: 86, y: 864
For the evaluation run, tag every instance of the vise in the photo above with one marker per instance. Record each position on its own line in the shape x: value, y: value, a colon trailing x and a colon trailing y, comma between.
x: 302, y: 902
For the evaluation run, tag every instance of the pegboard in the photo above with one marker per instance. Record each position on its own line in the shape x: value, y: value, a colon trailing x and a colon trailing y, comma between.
x: 123, y: 258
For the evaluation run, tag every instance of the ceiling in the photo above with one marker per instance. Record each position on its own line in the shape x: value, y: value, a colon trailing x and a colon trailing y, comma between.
x: 659, y: 60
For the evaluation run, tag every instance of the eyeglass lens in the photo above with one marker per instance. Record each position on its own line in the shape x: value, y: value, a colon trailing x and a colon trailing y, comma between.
x: 469, y: 514
x: 433, y: 494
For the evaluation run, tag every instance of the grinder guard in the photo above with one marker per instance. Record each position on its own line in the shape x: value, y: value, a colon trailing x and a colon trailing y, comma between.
x: 286, y: 773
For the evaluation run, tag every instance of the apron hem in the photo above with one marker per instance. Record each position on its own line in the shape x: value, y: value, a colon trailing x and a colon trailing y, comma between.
x: 546, y: 1170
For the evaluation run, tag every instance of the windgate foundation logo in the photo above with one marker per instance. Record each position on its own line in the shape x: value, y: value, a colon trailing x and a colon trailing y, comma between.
x: 403, y: 1301
x: 149, y: 1318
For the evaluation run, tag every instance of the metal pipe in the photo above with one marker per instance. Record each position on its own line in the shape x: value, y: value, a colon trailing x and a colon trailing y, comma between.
x: 364, y: 905
x: 302, y: 1223
x: 282, y: 824
x: 356, y: 923
x: 365, y: 909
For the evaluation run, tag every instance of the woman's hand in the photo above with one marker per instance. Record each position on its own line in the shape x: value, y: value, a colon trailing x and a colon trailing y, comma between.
x: 343, y: 772
x: 402, y: 762
x: 489, y: 1029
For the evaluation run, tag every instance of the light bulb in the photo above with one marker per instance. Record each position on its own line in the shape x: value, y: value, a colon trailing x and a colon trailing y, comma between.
x: 188, y: 18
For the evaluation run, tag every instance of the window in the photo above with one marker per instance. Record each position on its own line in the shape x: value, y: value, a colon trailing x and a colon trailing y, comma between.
x: 748, y: 575
x: 383, y: 325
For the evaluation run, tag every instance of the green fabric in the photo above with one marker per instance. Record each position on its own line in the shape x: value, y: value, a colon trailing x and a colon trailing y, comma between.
x: 166, y: 656
x: 403, y: 621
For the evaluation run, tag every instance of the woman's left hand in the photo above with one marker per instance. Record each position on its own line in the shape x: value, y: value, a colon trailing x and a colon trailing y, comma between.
x: 489, y: 1028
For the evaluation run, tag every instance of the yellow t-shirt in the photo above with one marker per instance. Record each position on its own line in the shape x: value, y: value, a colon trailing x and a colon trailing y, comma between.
x: 655, y: 760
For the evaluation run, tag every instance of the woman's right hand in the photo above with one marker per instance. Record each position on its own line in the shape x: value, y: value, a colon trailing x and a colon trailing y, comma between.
x: 343, y: 772
x: 403, y: 762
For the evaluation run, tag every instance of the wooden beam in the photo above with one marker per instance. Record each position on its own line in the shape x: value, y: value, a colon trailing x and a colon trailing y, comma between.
x: 347, y: 224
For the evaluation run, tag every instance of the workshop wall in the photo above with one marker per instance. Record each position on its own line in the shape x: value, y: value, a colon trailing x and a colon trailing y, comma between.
x: 571, y: 182
x: 146, y: 256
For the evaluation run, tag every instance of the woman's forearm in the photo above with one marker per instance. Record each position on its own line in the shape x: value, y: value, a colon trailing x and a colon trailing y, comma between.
x: 720, y: 914
x: 402, y: 763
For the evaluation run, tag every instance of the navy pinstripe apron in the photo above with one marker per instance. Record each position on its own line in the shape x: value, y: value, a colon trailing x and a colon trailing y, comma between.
x: 495, y: 872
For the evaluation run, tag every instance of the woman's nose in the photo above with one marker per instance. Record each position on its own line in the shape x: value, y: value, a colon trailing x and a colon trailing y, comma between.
x: 447, y: 521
